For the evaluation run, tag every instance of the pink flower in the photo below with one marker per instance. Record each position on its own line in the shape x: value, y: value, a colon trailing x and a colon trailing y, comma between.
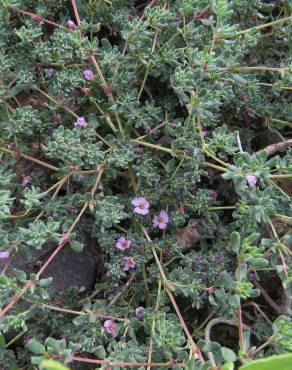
x: 72, y: 25
x: 123, y: 243
x: 129, y: 263
x: 161, y: 220
x: 48, y: 72
x: 139, y: 312
x: 81, y: 122
x: 148, y: 130
x: 213, y: 193
x: 4, y: 255
x: 251, y: 179
x: 88, y: 74
x: 111, y: 328
x: 139, y: 150
x: 26, y: 180
x: 141, y: 205
x: 85, y: 90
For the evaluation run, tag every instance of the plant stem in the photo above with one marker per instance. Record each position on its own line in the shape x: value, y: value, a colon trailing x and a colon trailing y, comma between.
x: 146, y: 287
x: 77, y: 313
x: 273, y: 148
x: 266, y: 296
x: 211, y: 155
x: 55, y: 101
x: 194, y: 347
x: 240, y: 326
x: 276, y: 120
x: 154, y: 146
x: 263, y: 346
x: 76, y: 12
x: 122, y: 292
x: 32, y: 159
x: 104, y: 84
x: 271, y: 85
x: 106, y: 362
x: 260, y: 27
x: 254, y: 69
x: 13, y: 340
x: 209, y: 327
x: 15, y: 217
x: 38, y: 18
x: 62, y: 243
x: 211, y: 165
x: 221, y: 208
x: 153, y: 324
x: 278, y: 188
x: 107, y: 118
x: 256, y: 306
x: 282, y: 176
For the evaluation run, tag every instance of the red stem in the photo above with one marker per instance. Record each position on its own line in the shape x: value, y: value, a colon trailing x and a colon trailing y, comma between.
x: 240, y: 327
x: 38, y: 18
x: 76, y: 12
x: 30, y: 283
x: 124, y: 364
x: 62, y: 243
x: 16, y: 298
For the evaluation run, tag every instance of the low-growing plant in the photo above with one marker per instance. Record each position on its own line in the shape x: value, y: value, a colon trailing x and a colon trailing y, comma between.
x: 152, y: 136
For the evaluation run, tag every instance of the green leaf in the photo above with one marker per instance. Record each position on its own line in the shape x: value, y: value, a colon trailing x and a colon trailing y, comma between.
x: 76, y: 246
x: 228, y: 354
x: 4, y: 280
x: 36, y: 360
x: 246, y: 341
x: 170, y: 165
x: 53, y: 345
x: 281, y: 362
x: 2, y: 340
x: 52, y: 365
x: 45, y: 282
x: 21, y: 275
x: 100, y: 352
x: 228, y: 366
x: 235, y: 241
x: 36, y: 347
x: 259, y: 262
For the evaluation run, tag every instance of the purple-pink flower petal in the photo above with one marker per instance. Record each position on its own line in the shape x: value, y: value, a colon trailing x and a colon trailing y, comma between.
x: 123, y: 243
x: 88, y: 74
x: 81, y: 122
x: 139, y: 312
x: 4, y: 255
x: 161, y: 220
x: 141, y: 205
x: 129, y: 263
x: 251, y: 179
x: 72, y: 25
x: 111, y: 328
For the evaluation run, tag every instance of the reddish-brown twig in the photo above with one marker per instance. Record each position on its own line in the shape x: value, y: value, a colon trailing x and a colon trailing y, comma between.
x: 38, y: 18
x: 273, y: 148
x: 240, y: 326
x: 216, y: 321
x: 168, y: 364
x: 105, y: 87
x: 62, y: 243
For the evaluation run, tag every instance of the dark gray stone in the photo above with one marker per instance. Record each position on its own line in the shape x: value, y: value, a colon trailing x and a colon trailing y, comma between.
x: 69, y: 269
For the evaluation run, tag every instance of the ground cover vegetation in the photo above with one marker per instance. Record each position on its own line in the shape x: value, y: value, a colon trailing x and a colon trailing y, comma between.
x: 154, y: 135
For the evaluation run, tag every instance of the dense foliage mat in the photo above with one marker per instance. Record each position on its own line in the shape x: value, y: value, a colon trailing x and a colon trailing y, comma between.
x: 154, y: 134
